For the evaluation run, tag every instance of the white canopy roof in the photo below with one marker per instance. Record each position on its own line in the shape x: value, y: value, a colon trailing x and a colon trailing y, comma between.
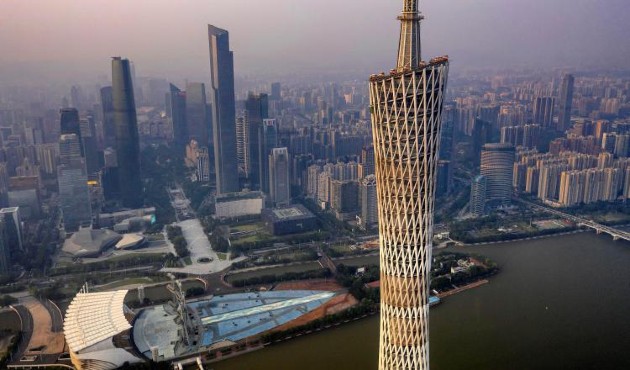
x: 93, y: 318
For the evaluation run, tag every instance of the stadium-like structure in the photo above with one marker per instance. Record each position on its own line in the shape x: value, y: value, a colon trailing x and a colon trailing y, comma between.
x: 96, y: 327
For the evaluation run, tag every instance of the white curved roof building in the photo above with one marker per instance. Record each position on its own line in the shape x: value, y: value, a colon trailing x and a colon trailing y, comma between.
x: 92, y: 321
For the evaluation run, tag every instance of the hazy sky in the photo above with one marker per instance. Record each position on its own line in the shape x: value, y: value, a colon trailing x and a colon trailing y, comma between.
x: 168, y: 38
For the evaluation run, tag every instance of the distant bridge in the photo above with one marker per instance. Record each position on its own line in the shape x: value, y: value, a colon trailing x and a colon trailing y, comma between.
x: 599, y: 228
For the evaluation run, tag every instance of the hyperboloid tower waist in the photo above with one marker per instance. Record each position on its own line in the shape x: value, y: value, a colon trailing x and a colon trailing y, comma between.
x: 406, y: 109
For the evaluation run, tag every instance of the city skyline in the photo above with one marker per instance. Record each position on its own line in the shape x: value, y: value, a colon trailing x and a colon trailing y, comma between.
x: 549, y: 34
x: 227, y: 190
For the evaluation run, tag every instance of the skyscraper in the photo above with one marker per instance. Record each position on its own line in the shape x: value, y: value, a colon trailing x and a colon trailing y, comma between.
x: 176, y: 111
x: 109, y: 127
x: 444, y: 181
x: 406, y: 108
x: 256, y: 110
x: 74, y: 195
x: 566, y: 102
x: 367, y: 161
x: 279, y: 177
x: 497, y: 166
x: 482, y: 134
x: 270, y: 141
x: 13, y: 224
x: 197, y: 115
x: 369, y: 202
x: 5, y: 252
x: 478, y: 196
x: 71, y: 124
x: 89, y: 145
x: 223, y: 110
x: 203, y: 165
x: 127, y: 138
x: 276, y: 91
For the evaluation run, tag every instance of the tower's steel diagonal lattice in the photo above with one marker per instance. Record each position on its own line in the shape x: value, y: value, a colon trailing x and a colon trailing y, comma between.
x: 406, y: 109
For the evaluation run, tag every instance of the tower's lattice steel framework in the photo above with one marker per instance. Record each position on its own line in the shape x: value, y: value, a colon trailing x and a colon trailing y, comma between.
x: 406, y: 108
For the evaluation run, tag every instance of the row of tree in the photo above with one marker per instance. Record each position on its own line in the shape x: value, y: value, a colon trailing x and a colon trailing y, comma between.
x: 176, y: 236
x: 271, y: 279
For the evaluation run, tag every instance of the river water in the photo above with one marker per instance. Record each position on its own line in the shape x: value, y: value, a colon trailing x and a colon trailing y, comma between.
x: 558, y: 303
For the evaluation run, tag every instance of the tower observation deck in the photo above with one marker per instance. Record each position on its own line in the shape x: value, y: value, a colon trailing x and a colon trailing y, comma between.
x: 406, y: 109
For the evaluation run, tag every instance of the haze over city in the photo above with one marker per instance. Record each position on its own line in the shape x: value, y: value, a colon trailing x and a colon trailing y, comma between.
x: 323, y: 184
x: 72, y: 39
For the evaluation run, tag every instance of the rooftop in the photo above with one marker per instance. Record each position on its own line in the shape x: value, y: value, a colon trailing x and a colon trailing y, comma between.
x: 89, y: 242
x: 295, y: 212
x: 92, y: 318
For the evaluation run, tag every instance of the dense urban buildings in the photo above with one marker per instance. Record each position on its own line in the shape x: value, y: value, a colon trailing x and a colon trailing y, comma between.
x: 223, y: 110
x: 406, y: 109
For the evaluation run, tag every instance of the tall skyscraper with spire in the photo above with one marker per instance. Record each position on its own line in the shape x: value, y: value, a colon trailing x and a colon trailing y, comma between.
x: 223, y: 110
x: 127, y: 136
x: 406, y: 108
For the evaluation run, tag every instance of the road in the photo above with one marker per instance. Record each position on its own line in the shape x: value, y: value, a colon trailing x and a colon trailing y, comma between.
x: 615, y: 233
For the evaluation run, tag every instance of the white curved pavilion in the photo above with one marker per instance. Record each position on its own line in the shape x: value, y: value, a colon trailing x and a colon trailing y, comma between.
x: 92, y: 321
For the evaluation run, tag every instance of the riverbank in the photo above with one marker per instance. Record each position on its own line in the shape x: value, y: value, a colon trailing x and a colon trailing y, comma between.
x: 464, y: 288
x: 538, y: 237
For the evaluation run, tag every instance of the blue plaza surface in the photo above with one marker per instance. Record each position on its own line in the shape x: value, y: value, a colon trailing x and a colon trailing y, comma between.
x: 238, y: 316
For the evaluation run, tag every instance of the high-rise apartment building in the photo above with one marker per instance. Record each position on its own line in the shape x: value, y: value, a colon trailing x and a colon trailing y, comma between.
x: 313, y: 180
x: 280, y: 188
x: 344, y: 199
x: 497, y: 164
x: 406, y: 110
x: 543, y: 111
x: 223, y: 110
x: 527, y: 136
x: 367, y: 161
x: 566, y: 102
x: 127, y: 137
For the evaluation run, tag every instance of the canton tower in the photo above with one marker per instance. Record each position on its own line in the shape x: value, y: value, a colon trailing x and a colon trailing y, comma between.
x: 406, y: 110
